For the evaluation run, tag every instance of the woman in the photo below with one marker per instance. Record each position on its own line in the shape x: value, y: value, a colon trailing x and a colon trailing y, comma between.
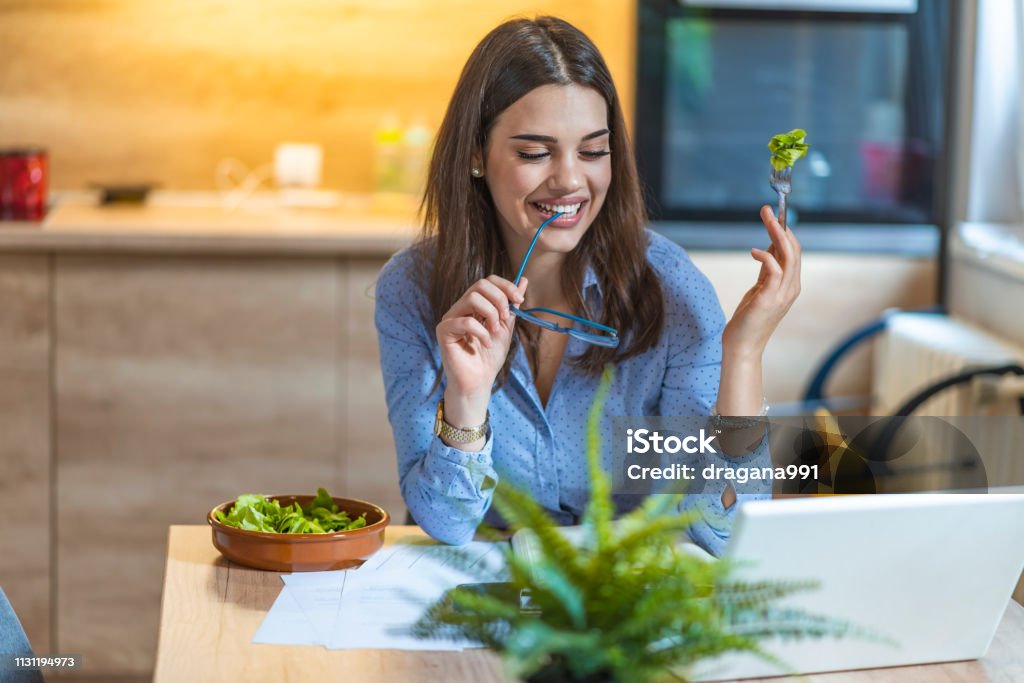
x: 535, y: 129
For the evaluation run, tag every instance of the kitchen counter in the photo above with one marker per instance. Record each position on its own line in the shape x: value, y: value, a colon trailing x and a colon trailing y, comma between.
x: 362, y: 226
x: 193, y: 222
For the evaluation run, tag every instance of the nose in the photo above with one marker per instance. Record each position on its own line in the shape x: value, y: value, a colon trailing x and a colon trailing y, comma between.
x: 565, y: 175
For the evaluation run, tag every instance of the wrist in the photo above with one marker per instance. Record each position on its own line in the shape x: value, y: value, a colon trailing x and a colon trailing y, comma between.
x: 740, y: 387
x: 743, y: 355
x: 465, y: 411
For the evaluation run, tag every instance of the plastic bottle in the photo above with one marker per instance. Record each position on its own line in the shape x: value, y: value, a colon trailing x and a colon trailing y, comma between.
x: 387, y: 167
x: 416, y: 147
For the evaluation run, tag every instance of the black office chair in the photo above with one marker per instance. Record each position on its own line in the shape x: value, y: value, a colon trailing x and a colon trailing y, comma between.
x: 814, y: 394
x: 886, y: 437
x: 14, y: 643
x: 877, y: 444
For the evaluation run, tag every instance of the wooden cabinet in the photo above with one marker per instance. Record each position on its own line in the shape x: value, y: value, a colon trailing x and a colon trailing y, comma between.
x: 176, y: 382
x: 180, y: 383
x: 366, y: 444
x: 25, y: 538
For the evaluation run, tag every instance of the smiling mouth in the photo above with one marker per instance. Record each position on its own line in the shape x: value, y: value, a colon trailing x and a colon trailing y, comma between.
x: 567, y: 210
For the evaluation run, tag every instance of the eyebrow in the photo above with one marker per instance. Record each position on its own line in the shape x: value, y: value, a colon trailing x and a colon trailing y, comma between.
x: 548, y: 138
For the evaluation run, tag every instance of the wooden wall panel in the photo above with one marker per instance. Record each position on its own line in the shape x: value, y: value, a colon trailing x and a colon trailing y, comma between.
x: 25, y: 441
x: 368, y: 447
x: 181, y: 382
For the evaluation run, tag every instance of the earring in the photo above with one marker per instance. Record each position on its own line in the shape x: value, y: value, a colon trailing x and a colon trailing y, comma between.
x: 476, y: 172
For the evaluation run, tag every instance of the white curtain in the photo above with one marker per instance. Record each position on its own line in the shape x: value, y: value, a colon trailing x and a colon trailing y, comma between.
x: 1019, y: 39
x: 993, y: 185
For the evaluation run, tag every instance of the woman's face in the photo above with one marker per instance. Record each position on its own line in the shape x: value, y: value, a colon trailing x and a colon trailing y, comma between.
x: 549, y: 152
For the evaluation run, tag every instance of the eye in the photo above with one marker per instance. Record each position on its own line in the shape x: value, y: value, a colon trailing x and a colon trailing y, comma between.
x: 529, y: 155
x: 594, y: 153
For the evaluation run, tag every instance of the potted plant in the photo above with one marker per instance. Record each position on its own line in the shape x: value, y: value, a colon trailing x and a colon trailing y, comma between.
x: 628, y: 605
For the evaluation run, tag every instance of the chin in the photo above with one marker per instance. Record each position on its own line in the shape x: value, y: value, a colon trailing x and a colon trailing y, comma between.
x: 563, y: 241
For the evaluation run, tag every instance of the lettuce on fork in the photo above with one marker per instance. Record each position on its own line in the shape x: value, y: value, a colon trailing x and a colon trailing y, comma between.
x: 786, y: 148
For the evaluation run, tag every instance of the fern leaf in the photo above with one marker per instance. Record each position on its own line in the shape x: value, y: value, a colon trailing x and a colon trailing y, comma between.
x: 523, y: 512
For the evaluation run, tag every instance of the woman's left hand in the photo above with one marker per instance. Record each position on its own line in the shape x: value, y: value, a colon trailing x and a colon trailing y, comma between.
x: 766, y: 303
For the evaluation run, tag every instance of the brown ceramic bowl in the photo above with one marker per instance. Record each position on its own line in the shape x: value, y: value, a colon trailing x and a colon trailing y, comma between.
x: 302, y: 552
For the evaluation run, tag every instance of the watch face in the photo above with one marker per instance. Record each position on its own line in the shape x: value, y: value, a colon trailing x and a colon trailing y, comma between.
x: 439, y: 419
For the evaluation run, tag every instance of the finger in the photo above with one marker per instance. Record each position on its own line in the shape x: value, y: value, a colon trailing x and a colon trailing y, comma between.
x: 507, y: 287
x: 791, y: 236
x: 792, y: 264
x: 500, y: 292
x: 474, y: 304
x: 469, y: 303
x: 456, y: 329
x: 782, y: 246
x: 794, y: 243
x: 486, y: 310
x: 770, y: 268
x: 795, y: 266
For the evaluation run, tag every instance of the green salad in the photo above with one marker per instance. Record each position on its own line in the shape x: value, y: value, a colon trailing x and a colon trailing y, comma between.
x: 786, y: 148
x: 253, y: 512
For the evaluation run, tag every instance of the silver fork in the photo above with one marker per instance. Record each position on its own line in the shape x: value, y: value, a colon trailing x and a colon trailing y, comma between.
x: 782, y: 183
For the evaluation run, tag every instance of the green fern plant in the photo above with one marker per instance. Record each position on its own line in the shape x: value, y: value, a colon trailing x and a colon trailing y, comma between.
x: 626, y: 606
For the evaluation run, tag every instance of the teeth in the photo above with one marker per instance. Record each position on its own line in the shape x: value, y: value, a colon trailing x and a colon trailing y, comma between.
x: 565, y: 209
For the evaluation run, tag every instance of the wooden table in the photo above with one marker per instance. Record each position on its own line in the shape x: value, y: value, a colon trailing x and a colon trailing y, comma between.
x: 212, y: 608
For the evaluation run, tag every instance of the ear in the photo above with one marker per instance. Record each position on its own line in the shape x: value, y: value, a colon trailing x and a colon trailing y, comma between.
x: 476, y: 165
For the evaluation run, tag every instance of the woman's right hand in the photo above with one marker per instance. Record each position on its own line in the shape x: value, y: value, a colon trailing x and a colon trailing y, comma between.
x: 474, y: 337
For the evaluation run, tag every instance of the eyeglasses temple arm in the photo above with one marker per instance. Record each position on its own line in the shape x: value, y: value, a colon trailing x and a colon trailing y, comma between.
x: 529, y: 250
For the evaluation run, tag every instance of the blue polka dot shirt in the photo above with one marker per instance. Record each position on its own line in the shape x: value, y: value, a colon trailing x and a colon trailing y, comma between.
x: 542, y: 449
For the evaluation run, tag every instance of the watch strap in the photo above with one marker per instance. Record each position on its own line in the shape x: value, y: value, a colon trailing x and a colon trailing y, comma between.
x: 457, y: 434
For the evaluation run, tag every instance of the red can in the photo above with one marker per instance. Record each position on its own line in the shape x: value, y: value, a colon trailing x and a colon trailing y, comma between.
x: 23, y: 178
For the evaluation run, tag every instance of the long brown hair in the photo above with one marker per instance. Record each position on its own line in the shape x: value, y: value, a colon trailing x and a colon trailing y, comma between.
x: 460, y: 234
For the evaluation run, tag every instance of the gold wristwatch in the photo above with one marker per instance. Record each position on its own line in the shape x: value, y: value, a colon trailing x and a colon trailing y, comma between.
x: 454, y: 434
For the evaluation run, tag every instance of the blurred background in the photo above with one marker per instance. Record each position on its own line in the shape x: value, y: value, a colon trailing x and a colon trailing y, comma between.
x: 164, y: 91
x: 196, y: 198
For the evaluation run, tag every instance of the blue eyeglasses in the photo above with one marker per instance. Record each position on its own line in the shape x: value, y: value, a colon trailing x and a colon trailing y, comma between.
x: 610, y: 338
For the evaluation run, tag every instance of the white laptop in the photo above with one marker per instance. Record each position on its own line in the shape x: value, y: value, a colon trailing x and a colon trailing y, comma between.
x: 933, y: 572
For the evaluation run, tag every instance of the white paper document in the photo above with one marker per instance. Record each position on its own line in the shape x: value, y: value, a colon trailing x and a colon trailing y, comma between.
x: 375, y: 606
x: 318, y: 595
x: 485, y: 559
x: 286, y: 624
x: 379, y: 608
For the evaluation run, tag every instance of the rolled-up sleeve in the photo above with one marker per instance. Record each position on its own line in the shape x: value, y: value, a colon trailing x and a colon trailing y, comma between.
x: 447, y: 490
x: 695, y: 321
